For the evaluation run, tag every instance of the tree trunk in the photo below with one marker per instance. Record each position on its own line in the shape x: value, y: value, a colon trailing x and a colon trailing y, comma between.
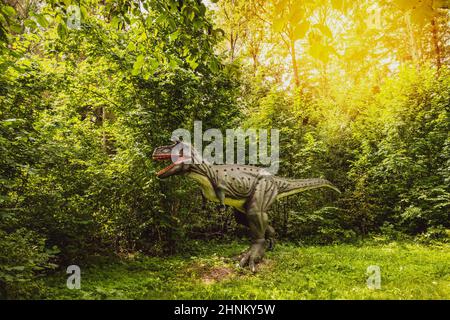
x: 232, y: 44
x: 294, y: 64
x: 412, y: 41
x: 437, y: 49
x: 255, y: 64
x: 104, y: 138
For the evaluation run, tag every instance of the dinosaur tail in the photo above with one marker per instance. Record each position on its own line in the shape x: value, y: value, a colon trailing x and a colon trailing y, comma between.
x: 287, y: 187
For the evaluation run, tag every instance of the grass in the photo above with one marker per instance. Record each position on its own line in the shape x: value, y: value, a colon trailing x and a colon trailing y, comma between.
x: 408, y: 271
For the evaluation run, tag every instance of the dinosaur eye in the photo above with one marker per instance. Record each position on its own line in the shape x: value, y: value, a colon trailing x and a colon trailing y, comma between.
x: 166, y: 150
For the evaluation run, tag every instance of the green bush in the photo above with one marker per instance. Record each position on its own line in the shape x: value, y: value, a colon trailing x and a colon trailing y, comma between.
x: 23, y: 257
x: 438, y: 234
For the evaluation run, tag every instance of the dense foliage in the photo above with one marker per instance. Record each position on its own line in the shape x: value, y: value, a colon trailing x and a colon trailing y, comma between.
x: 83, y: 106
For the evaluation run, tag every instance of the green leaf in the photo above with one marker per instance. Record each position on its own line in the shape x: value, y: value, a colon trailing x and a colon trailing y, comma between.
x: 83, y: 12
x: 139, y: 61
x: 16, y: 28
x: 30, y: 24
x: 62, y: 30
x: 422, y: 15
x: 2, y: 19
x: 40, y: 18
x: 137, y: 66
x: 142, y: 37
x: 115, y: 22
x: 174, y: 36
x: 213, y: 66
x: 319, y: 51
x: 278, y: 25
x: 324, y: 29
x: 153, y: 63
x: 338, y: 4
x: 135, y: 72
x: 280, y: 5
x: 146, y: 75
x: 131, y: 46
x: 192, y: 63
x: 300, y: 30
x: 296, y: 15
x: 405, y: 4
x: 442, y: 4
x: 173, y: 64
x: 9, y: 11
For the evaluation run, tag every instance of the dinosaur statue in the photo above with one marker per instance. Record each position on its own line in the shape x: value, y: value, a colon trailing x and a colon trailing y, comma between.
x: 248, y: 189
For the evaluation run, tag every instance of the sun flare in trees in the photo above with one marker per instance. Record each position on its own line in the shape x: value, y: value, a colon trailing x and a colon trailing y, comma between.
x: 316, y: 43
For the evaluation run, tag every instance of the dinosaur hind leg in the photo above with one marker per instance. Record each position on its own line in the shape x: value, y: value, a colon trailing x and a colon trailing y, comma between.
x: 270, y: 237
x: 256, y: 212
x: 241, y: 218
x: 257, y: 224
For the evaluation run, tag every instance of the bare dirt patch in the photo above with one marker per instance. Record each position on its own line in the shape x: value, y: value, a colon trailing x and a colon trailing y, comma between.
x: 211, y: 270
x: 216, y: 274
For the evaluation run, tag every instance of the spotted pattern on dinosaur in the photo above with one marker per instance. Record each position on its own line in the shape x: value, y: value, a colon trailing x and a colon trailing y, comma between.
x: 248, y: 189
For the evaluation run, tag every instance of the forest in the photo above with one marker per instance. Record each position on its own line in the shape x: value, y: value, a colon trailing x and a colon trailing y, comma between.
x: 359, y: 91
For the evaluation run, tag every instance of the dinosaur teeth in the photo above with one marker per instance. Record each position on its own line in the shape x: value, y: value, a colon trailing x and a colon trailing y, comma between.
x: 180, y: 160
x: 160, y: 172
x: 161, y: 157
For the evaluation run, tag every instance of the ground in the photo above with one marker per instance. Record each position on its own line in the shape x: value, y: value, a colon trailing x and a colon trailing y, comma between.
x: 408, y: 271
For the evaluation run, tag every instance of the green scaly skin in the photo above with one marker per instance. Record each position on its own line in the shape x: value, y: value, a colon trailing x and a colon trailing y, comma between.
x: 249, y: 190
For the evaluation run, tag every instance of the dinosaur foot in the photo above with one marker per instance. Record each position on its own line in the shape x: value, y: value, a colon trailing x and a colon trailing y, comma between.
x: 253, y: 255
x: 270, y: 244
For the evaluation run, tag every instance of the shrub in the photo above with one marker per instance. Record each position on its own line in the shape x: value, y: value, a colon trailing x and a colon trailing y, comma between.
x: 23, y: 257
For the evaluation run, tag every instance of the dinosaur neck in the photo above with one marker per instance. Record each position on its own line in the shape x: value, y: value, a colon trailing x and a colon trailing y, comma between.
x: 203, y: 169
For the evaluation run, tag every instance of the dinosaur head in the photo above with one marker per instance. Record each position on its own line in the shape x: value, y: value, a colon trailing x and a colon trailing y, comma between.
x: 178, y: 154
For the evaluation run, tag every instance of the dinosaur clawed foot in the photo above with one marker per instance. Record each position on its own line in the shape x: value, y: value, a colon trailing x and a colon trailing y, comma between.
x: 253, y: 255
x: 270, y: 244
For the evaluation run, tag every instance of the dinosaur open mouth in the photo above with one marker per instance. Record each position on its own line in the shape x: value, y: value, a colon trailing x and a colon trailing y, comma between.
x: 162, y: 171
x: 163, y: 157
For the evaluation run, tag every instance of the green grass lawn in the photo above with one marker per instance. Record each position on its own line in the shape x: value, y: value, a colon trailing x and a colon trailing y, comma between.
x: 408, y: 271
